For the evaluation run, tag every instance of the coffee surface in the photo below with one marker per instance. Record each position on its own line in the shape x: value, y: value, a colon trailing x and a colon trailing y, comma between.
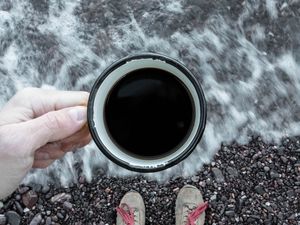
x: 149, y: 112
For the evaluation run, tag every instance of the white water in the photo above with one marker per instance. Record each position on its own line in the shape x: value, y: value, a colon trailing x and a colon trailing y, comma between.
x: 249, y: 90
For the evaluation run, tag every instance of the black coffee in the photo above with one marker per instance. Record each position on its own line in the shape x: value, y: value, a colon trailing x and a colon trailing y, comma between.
x: 149, y: 112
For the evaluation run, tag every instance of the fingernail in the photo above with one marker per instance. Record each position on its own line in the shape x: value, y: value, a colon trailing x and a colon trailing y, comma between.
x: 78, y: 114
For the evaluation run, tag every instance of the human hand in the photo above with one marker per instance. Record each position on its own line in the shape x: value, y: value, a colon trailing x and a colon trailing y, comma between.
x: 37, y: 127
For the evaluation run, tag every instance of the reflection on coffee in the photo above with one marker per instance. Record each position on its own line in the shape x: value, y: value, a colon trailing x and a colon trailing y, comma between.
x: 149, y: 113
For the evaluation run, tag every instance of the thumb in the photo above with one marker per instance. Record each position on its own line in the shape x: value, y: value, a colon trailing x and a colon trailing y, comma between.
x: 55, y: 125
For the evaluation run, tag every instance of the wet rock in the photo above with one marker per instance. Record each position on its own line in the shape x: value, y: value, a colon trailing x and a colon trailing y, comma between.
x: 67, y: 205
x: 13, y: 218
x: 36, y: 220
x: 29, y: 199
x: 274, y: 174
x: 48, y: 221
x: 259, y: 189
x: 1, y: 205
x: 232, y: 171
x: 60, y: 216
x: 45, y: 189
x: 176, y: 190
x: 60, y: 197
x: 284, y: 159
x: 19, y: 207
x: 195, y: 179
x: 2, y: 219
x: 229, y: 213
x: 218, y: 175
x: 22, y: 190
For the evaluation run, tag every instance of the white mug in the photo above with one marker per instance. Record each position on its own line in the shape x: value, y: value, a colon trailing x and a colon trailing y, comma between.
x: 132, y: 84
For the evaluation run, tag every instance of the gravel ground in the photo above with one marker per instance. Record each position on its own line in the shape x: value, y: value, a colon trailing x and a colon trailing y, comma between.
x: 256, y: 183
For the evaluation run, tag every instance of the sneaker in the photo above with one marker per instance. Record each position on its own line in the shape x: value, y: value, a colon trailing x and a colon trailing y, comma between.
x: 190, y: 207
x: 131, y: 210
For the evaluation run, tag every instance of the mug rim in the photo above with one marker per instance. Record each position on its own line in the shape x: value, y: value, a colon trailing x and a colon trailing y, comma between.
x: 154, y: 56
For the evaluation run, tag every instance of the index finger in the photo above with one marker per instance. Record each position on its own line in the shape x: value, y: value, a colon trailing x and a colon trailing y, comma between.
x: 37, y: 101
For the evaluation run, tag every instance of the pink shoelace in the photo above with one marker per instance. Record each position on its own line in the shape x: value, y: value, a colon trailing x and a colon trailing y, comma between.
x: 127, y: 215
x: 194, y: 215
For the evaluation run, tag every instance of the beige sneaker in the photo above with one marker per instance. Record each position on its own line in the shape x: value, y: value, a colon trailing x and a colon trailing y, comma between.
x: 131, y: 210
x: 190, y: 207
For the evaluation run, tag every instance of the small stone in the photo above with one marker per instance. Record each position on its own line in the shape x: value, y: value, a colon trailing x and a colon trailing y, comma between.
x: 60, y: 197
x: 29, y: 199
x: 36, y: 219
x: 2, y: 219
x: 1, y: 205
x: 13, y: 218
x: 284, y: 159
x: 81, y: 180
x: 232, y: 171
x: 67, y: 205
x: 195, y: 179
x: 19, y: 207
x: 229, y: 213
x: 218, y: 175
x: 22, y: 190
x: 60, y: 216
x: 37, y: 187
x: 266, y: 169
x: 274, y: 174
x: 48, y: 221
x: 18, y: 197
x: 45, y: 189
x: 202, y: 183
x: 259, y: 189
x: 107, y: 190
x: 26, y: 210
x: 213, y: 197
x: 290, y: 193
x: 176, y: 190
x: 54, y: 218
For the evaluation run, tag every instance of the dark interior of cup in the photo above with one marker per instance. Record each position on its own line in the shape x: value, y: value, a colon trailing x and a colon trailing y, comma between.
x: 149, y: 113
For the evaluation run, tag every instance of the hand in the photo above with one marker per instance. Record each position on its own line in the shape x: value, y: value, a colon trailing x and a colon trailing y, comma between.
x: 37, y: 127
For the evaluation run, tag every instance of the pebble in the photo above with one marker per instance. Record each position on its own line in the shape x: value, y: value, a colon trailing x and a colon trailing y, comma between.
x: 60, y: 216
x: 284, y: 159
x: 19, y: 207
x: 2, y: 219
x: 13, y: 218
x: 229, y: 213
x: 67, y: 205
x: 202, y: 183
x: 1, y: 205
x: 274, y: 174
x: 259, y: 189
x: 48, y: 221
x: 218, y: 175
x: 45, y: 189
x: 266, y: 169
x: 22, y: 190
x: 29, y: 199
x: 232, y: 171
x: 195, y: 179
x: 60, y: 197
x: 36, y: 220
x: 176, y: 190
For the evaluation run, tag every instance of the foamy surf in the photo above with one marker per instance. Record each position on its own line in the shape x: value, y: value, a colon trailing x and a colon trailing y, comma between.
x: 251, y: 82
